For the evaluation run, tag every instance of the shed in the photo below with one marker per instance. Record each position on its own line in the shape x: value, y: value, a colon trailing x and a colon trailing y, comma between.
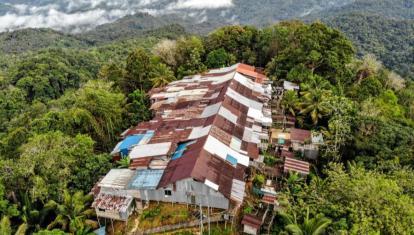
x: 251, y: 224
x: 113, y: 207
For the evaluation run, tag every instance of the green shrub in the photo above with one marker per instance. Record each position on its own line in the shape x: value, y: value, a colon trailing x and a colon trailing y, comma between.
x: 259, y: 180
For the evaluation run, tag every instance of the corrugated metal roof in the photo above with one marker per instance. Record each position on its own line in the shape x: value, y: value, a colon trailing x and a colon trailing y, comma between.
x: 252, y: 221
x: 295, y: 165
x: 237, y: 190
x: 150, y: 150
x: 146, y: 179
x: 117, y: 178
x: 188, y: 110
x: 112, y: 202
x: 300, y: 135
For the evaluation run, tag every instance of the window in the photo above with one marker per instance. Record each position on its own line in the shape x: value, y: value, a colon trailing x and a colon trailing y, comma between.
x: 167, y: 192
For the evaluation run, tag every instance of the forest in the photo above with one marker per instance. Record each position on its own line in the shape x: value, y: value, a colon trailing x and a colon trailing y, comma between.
x: 62, y: 110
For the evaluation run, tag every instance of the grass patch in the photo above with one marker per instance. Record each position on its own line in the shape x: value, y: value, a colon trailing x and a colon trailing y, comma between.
x: 163, y: 214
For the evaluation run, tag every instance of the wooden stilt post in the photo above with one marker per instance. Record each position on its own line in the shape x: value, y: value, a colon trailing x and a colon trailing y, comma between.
x: 208, y: 215
x: 201, y: 218
x: 99, y: 223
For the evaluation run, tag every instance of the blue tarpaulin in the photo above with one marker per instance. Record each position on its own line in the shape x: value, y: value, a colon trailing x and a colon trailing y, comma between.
x: 180, y: 149
x: 100, y: 231
x: 128, y: 142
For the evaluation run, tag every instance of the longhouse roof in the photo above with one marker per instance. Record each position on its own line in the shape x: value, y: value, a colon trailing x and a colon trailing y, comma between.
x: 207, y: 127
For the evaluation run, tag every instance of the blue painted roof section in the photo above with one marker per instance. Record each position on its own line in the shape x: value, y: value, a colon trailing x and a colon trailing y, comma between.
x: 146, y: 179
x: 231, y: 159
x: 128, y: 142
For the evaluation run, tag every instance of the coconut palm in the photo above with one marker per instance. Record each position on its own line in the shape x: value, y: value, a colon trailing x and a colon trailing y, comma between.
x: 314, y: 103
x: 316, y: 82
x: 290, y: 102
x: 293, y: 182
x: 367, y: 67
x: 74, y: 213
x: 309, y: 226
x: 161, y: 75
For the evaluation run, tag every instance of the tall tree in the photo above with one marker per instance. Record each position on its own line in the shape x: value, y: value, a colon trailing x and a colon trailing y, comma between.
x: 111, y: 72
x: 166, y: 50
x: 47, y: 163
x: 219, y: 58
x: 238, y: 41
x: 190, y: 52
x: 315, y: 49
x: 137, y: 70
x: 342, y: 117
x: 352, y: 194
x: 137, y: 108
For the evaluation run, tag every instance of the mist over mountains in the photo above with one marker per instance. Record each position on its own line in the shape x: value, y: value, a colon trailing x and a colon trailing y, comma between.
x: 81, y: 15
x: 381, y: 27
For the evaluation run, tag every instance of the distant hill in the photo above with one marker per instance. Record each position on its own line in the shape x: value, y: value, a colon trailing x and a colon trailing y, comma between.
x: 396, y: 9
x: 381, y: 27
x: 33, y: 39
x: 25, y: 40
x: 391, y: 40
x: 124, y: 28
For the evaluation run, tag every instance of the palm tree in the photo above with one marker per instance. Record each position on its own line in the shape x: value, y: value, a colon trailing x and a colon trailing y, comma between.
x: 310, y: 226
x: 74, y: 214
x: 367, y: 67
x: 293, y: 182
x: 161, y: 75
x: 316, y: 82
x: 290, y: 102
x: 313, y: 104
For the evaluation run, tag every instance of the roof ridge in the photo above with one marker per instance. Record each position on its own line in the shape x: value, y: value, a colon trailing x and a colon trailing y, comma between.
x: 216, y: 116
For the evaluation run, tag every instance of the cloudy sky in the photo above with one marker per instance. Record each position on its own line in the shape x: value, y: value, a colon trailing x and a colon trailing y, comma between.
x: 78, y: 15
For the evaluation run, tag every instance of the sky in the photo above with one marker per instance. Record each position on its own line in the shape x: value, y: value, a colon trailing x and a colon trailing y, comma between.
x: 80, y: 15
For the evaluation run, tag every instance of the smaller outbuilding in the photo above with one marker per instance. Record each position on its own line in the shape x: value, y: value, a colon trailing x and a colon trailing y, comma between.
x: 251, y: 224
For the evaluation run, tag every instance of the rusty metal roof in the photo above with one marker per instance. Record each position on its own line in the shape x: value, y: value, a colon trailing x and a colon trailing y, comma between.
x: 222, y: 112
x: 300, y: 135
x: 252, y: 221
x: 295, y: 165
x: 112, y: 202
